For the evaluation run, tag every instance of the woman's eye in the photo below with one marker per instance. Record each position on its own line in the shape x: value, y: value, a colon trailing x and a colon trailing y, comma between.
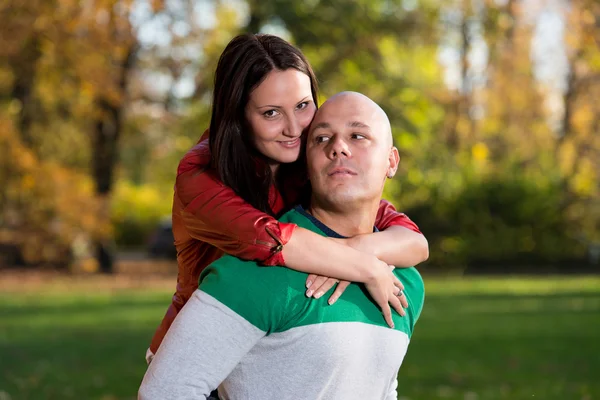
x: 302, y: 105
x: 270, y: 113
x: 321, y: 139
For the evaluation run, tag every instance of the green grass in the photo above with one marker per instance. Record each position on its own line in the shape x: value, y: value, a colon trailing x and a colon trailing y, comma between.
x: 478, y: 338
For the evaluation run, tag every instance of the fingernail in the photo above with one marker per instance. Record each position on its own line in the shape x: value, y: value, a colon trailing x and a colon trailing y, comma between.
x: 309, y: 293
x: 392, y: 326
x: 308, y: 283
x: 331, y: 301
x: 319, y: 294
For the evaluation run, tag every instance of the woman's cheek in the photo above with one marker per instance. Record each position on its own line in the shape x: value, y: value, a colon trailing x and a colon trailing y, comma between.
x: 308, y: 117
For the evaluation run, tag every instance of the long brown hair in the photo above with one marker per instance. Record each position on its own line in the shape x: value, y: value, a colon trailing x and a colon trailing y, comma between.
x: 243, y: 65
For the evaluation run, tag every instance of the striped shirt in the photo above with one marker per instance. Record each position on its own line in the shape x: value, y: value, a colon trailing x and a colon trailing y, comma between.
x: 251, y: 331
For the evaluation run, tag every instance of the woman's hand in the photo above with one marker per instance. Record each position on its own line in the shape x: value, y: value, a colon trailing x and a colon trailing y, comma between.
x: 386, y: 290
x: 317, y: 286
x: 384, y: 287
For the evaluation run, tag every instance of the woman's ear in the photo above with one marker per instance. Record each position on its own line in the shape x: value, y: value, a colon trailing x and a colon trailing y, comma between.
x: 394, y: 161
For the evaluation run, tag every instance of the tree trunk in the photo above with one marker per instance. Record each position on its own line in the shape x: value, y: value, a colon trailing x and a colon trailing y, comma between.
x: 107, y: 131
x: 24, y: 68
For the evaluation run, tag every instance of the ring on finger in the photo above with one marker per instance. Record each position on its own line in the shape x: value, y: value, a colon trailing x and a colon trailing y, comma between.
x: 400, y: 293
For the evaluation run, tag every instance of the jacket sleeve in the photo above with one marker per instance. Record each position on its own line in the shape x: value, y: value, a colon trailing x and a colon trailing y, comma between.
x: 388, y: 216
x: 215, y: 214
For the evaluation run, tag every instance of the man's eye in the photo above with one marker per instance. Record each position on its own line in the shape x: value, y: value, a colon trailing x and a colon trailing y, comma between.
x: 358, y: 136
x: 270, y: 113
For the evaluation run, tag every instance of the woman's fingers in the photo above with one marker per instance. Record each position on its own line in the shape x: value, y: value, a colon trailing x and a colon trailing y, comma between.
x: 396, y: 303
x: 387, y: 315
x: 341, y: 286
x: 397, y: 283
x: 403, y: 300
x: 310, y: 280
x: 316, y: 285
x: 324, y: 288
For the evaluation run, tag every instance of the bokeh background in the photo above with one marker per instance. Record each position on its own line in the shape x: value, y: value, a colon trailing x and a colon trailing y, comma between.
x: 495, y: 109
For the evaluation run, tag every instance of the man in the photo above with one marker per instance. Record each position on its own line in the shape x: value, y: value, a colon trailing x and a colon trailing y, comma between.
x: 252, y: 330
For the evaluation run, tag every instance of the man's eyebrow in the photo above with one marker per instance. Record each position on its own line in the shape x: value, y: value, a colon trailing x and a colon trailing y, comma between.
x: 357, y: 124
x: 321, y: 125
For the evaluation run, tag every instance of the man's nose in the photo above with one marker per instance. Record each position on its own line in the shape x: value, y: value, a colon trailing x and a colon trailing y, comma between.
x: 338, y: 148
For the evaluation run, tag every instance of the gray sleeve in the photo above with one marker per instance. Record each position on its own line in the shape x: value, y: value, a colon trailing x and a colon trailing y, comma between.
x: 202, y: 347
x: 392, y: 393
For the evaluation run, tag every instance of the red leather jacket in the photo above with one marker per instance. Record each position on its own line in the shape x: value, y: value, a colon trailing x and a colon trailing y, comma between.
x: 209, y: 219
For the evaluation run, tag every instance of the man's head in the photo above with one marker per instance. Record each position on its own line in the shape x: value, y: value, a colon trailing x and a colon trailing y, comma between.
x: 350, y: 152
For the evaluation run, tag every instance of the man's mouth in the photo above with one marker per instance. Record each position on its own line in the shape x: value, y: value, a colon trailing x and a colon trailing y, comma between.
x: 342, y: 171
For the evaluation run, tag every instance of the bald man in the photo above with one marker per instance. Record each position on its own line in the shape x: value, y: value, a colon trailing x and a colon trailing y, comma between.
x: 252, y: 331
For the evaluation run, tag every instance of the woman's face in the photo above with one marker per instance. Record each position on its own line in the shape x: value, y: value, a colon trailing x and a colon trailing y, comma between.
x: 278, y: 111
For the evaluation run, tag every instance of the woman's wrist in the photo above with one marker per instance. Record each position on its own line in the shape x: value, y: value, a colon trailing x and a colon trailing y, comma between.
x: 309, y: 252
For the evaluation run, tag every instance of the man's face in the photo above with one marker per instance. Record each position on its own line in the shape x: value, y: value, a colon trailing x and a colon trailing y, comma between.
x: 349, y: 151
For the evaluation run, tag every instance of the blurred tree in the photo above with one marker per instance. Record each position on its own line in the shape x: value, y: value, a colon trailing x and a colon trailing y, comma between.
x: 116, y: 91
x: 578, y: 145
x: 70, y: 64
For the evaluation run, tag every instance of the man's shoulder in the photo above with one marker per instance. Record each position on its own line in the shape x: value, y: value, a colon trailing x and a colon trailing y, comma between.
x: 253, y: 291
x: 297, y: 215
x: 411, y: 275
x: 414, y: 288
x: 294, y: 216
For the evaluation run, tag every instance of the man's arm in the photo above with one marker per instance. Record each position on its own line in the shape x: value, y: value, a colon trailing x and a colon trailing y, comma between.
x: 204, y: 344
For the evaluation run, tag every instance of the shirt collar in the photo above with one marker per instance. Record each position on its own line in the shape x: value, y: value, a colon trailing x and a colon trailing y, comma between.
x: 327, y: 230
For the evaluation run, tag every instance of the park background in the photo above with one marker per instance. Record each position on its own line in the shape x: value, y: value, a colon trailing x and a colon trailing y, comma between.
x: 495, y: 109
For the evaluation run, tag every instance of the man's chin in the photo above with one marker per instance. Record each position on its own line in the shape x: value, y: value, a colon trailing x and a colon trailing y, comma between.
x: 342, y: 198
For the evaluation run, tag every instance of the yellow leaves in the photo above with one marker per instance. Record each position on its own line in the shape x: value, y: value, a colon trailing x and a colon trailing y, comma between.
x: 583, y: 117
x: 463, y: 127
x: 145, y: 201
x: 27, y: 182
x: 14, y: 107
x: 588, y: 18
x: 26, y: 160
x: 480, y: 152
x: 6, y: 78
x: 50, y: 205
x: 584, y: 182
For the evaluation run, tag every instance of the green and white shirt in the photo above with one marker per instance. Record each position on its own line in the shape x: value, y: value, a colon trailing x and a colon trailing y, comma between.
x: 251, y: 331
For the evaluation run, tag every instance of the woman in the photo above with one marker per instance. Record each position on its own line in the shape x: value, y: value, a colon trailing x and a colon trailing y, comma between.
x: 229, y: 189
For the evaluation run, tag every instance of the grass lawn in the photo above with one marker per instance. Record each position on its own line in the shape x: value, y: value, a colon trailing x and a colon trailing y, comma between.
x: 478, y: 338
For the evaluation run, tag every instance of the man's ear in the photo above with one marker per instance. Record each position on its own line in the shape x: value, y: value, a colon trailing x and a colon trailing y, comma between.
x: 394, y: 161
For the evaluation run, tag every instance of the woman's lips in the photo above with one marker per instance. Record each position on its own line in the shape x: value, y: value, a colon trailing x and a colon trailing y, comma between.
x: 290, y: 144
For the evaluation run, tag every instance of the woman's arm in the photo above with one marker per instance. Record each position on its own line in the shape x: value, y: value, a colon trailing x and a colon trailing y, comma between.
x: 399, y: 241
x: 397, y: 246
x: 215, y: 214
